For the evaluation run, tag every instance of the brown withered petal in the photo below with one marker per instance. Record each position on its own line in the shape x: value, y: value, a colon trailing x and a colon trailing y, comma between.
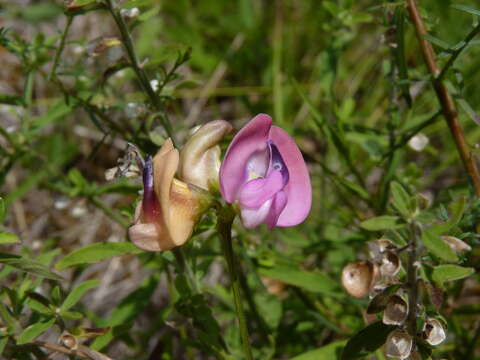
x: 456, y: 244
x: 396, y: 311
x: 390, y: 264
x: 200, y: 157
x: 398, y: 345
x: 433, y: 332
x: 358, y: 278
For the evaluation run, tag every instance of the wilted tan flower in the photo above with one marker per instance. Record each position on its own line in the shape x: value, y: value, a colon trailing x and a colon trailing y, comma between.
x: 359, y: 278
x: 398, y: 345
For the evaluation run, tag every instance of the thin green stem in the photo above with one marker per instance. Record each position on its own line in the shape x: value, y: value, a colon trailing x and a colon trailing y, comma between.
x: 109, y: 212
x: 60, y: 48
x: 225, y: 219
x: 412, y: 282
x: 186, y: 269
x: 135, y: 64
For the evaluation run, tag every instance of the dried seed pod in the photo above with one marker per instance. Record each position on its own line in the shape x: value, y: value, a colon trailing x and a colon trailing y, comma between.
x: 390, y: 264
x: 456, y: 244
x: 398, y: 344
x: 378, y: 247
x: 274, y: 286
x: 396, y: 311
x: 433, y: 331
x: 69, y: 341
x: 359, y: 277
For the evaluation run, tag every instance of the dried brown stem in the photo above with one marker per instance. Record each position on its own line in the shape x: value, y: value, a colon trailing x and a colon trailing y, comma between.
x: 446, y: 101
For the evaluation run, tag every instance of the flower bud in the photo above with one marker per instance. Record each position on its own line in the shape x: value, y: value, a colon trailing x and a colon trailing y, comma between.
x: 433, y: 331
x: 200, y: 157
x: 398, y: 345
x: 396, y: 311
x: 456, y: 244
x: 390, y: 264
x: 358, y: 278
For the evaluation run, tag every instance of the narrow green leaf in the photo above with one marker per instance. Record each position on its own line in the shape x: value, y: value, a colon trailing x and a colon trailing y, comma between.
x: 39, y: 303
x: 28, y: 265
x: 366, y: 341
x: 328, y: 352
x: 71, y: 315
x: 77, y: 293
x: 8, y: 238
x: 3, y: 343
x: 31, y: 332
x: 457, y: 208
x: 438, y: 247
x: 401, y: 199
x: 316, y: 282
x: 7, y: 317
x: 467, y: 9
x: 2, y: 210
x: 385, y: 222
x: 443, y: 44
x: 95, y: 253
x: 443, y: 273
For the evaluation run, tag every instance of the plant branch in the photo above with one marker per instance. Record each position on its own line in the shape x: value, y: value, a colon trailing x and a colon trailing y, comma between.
x: 61, y: 47
x: 226, y: 215
x: 444, y: 97
x: 412, y: 281
x: 139, y: 71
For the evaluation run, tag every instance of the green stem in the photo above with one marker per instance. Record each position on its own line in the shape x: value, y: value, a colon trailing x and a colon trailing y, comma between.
x: 226, y: 215
x: 185, y: 269
x: 109, y: 212
x: 140, y: 73
x: 412, y: 282
x: 61, y: 47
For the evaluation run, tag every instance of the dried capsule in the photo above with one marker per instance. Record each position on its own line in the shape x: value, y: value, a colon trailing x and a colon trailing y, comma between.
x: 69, y: 341
x: 398, y: 344
x: 390, y: 264
x: 378, y: 247
x: 396, y: 311
x: 433, y: 331
x: 359, y: 277
x: 456, y: 244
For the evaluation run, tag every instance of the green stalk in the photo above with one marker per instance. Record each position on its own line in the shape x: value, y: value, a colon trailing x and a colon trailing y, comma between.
x: 225, y: 218
x: 59, y: 52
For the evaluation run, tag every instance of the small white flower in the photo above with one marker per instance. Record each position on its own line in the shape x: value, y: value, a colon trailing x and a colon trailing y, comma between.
x: 418, y: 142
x: 154, y: 84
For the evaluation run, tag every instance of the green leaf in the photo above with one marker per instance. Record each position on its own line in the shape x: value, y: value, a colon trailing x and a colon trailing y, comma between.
x: 95, y: 253
x: 7, y: 317
x: 8, y: 238
x: 77, y: 293
x: 328, y: 352
x: 3, y: 343
x: 401, y: 199
x: 457, y: 208
x: 2, y: 210
x: 434, y: 243
x: 28, y: 265
x: 385, y: 222
x: 379, y: 302
x: 467, y: 9
x: 39, y: 303
x: 31, y: 332
x: 443, y: 273
x: 71, y: 315
x: 440, y: 43
x: 366, y: 341
x: 316, y: 282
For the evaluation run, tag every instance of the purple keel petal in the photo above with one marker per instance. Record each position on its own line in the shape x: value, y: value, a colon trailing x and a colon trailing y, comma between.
x: 253, y: 217
x: 254, y: 193
x: 278, y: 205
x: 252, y: 138
x: 298, y: 190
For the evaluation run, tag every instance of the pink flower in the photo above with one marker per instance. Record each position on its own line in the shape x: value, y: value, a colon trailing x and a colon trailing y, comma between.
x: 265, y: 173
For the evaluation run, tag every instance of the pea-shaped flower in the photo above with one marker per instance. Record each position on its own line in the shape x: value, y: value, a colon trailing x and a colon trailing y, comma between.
x: 264, y: 171
x: 170, y: 207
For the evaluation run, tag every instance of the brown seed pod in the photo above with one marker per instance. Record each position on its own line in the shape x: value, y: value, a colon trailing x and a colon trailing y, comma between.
x: 378, y: 247
x: 390, y: 264
x: 456, y: 244
x: 433, y: 331
x: 69, y: 341
x: 398, y: 344
x: 359, y: 277
x: 396, y: 311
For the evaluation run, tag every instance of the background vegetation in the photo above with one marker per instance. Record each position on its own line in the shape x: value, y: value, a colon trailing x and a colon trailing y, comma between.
x: 345, y: 78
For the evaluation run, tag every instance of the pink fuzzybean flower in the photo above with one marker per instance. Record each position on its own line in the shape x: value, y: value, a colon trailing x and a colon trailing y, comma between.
x: 264, y: 171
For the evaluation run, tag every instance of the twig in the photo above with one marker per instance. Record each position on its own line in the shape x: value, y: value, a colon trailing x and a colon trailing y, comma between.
x: 61, y: 47
x: 412, y: 281
x: 457, y: 52
x: 445, y: 99
x: 141, y: 75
